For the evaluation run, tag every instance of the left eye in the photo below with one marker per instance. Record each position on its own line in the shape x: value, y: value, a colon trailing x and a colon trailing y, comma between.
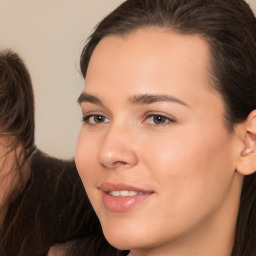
x: 158, y: 119
x: 95, y: 119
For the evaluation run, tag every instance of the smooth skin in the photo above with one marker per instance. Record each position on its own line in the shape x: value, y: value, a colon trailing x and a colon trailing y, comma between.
x: 156, y: 123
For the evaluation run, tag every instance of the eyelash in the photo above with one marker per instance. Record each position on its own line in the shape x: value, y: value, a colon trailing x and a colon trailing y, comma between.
x: 163, y: 119
x: 86, y: 119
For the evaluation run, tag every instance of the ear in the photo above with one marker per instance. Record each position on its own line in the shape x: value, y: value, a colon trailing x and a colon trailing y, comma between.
x: 247, y: 160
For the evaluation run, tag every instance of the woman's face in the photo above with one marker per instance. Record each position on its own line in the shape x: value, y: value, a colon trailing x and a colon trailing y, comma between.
x: 154, y: 154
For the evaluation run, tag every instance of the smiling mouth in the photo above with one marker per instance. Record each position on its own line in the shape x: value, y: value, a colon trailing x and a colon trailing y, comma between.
x: 123, y: 197
x: 127, y: 193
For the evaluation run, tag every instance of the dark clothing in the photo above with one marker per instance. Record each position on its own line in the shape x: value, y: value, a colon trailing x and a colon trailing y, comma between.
x: 52, y: 209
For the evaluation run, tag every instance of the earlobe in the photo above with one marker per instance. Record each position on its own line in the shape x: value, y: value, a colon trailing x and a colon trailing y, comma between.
x: 247, y: 161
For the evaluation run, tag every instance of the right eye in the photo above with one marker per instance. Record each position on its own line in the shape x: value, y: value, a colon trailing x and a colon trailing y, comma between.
x: 95, y: 119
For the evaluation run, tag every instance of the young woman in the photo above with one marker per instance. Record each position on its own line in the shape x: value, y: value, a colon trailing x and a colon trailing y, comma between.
x: 169, y: 110
x: 42, y: 200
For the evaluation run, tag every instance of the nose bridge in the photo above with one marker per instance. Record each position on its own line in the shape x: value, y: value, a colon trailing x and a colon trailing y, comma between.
x: 117, y: 147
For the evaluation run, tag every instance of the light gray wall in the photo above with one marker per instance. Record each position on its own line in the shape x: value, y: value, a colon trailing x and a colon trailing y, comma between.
x: 49, y: 35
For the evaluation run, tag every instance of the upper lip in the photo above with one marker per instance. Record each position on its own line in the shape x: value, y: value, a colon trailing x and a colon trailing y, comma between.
x: 108, y: 186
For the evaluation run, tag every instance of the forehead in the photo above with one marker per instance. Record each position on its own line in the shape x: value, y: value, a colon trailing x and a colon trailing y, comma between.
x: 151, y: 49
x: 147, y: 57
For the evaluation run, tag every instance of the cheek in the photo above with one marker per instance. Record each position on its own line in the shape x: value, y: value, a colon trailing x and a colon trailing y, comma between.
x: 185, y: 152
x: 85, y: 157
x: 193, y: 176
x: 191, y: 167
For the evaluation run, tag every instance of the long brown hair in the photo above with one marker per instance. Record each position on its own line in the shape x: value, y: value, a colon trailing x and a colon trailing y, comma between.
x: 16, y: 114
x: 16, y: 107
x: 229, y: 27
x: 16, y: 123
x: 16, y: 103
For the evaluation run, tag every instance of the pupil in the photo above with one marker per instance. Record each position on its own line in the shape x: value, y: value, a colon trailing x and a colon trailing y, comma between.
x: 159, y: 119
x: 99, y: 119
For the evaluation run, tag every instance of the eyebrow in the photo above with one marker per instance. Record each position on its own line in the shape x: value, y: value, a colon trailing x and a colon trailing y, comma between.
x: 153, y: 98
x: 85, y: 97
x: 141, y: 99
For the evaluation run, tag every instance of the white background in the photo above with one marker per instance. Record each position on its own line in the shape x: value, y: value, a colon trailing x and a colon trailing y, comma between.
x: 49, y: 35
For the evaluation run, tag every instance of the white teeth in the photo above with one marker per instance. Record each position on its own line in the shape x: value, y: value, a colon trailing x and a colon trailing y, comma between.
x: 133, y: 193
x: 124, y: 193
x: 115, y: 193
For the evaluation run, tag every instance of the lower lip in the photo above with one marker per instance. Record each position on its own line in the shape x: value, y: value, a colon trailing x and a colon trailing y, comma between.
x: 122, y: 204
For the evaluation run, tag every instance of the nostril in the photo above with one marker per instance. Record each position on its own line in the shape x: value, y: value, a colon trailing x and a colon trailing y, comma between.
x: 115, y: 164
x: 119, y: 163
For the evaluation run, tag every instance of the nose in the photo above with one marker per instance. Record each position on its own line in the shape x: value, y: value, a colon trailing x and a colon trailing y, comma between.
x: 118, y: 148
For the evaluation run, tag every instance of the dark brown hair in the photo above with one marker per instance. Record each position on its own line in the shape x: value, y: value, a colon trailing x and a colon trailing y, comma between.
x: 16, y: 115
x: 52, y: 209
x: 229, y: 27
x: 16, y: 103
x: 16, y: 123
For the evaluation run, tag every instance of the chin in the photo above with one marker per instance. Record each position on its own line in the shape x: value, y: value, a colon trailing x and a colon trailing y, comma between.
x: 125, y: 243
x: 125, y: 237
